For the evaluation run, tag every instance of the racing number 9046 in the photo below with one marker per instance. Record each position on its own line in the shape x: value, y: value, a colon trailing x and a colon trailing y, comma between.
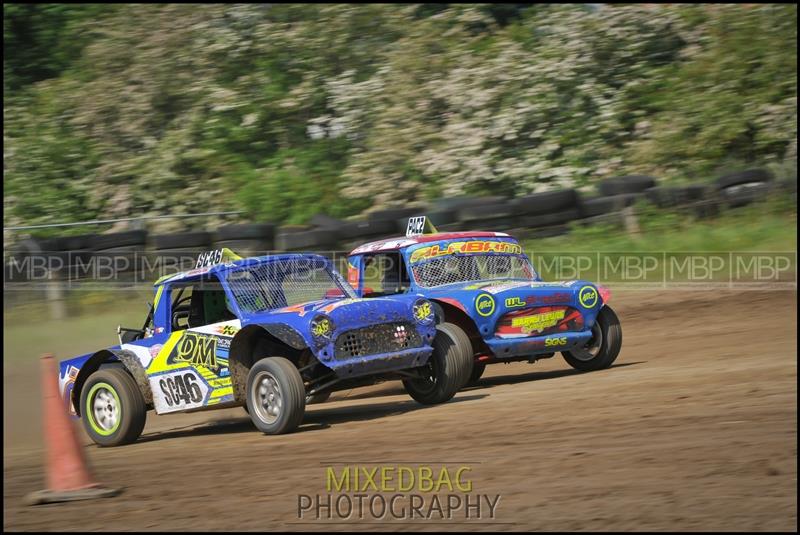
x: 181, y: 389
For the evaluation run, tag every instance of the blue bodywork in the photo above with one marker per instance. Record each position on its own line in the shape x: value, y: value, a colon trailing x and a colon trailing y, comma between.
x: 314, y: 326
x: 486, y: 302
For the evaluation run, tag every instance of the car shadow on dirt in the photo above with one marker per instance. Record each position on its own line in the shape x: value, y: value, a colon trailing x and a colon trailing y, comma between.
x: 498, y: 380
x: 314, y: 420
x: 489, y: 382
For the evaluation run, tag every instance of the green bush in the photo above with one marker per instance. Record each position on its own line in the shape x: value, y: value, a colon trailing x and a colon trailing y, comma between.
x: 288, y: 110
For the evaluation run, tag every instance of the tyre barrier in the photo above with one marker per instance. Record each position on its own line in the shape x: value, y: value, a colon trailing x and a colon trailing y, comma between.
x: 353, y: 230
x: 178, y: 251
x: 248, y: 239
x: 458, y: 202
x: 667, y: 197
x: 746, y: 193
x: 744, y: 177
x: 491, y: 213
x: 122, y: 252
x: 626, y: 184
x: 305, y: 240
x: 547, y: 202
x: 546, y: 213
x: 246, y: 231
x: 326, y: 221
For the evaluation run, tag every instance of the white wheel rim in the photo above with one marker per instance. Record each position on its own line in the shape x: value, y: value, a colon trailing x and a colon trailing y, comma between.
x: 105, y: 409
x: 266, y: 397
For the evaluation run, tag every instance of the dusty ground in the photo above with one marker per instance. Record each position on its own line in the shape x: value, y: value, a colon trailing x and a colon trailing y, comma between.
x: 695, y: 428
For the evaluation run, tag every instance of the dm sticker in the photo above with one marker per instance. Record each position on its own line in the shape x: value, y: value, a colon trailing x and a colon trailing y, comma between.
x: 484, y: 305
x: 587, y: 296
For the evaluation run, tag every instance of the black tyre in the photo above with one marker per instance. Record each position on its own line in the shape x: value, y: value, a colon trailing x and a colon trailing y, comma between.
x: 325, y: 221
x: 106, y: 242
x: 306, y: 240
x: 602, y: 349
x: 595, y: 206
x: 247, y: 231
x: 365, y: 229
x: 695, y: 192
x: 665, y: 196
x: 626, y: 184
x: 744, y: 177
x: 447, y: 370
x: 276, y: 397
x: 547, y: 220
x: 113, y: 411
x: 479, y: 213
x: 744, y: 194
x: 316, y: 399
x: 477, y: 372
x: 547, y: 202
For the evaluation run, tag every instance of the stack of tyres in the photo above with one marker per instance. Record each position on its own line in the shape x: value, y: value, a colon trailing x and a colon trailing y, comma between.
x: 548, y: 213
x: 635, y: 184
x: 303, y: 238
x: 483, y: 213
x: 462, y: 212
x: 744, y: 187
x: 616, y: 194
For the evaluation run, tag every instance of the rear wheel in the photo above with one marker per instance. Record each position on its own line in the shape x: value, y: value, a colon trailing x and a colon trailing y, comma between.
x: 602, y: 348
x: 113, y: 411
x: 276, y: 396
x: 447, y: 369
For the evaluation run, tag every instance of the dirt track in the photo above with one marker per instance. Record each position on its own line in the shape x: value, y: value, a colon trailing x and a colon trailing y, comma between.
x: 695, y: 428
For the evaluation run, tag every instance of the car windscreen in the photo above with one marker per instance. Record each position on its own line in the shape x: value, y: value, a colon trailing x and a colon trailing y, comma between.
x: 458, y: 267
x: 279, y: 283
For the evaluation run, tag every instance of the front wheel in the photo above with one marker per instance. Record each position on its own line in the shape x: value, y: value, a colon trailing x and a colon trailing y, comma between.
x: 602, y: 348
x: 448, y: 368
x: 113, y: 411
x: 276, y: 396
x: 477, y: 371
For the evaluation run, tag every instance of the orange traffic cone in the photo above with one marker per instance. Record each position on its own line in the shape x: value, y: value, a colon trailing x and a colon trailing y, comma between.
x: 68, y: 477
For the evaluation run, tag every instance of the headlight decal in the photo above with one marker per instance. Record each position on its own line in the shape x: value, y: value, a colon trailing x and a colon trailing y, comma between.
x: 322, y: 328
x: 423, y: 311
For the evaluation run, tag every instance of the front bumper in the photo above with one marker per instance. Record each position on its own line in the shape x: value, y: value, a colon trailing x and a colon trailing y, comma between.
x: 379, y: 363
x: 503, y: 348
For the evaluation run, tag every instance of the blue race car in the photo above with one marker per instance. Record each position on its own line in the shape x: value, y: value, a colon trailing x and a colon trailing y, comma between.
x: 483, y: 285
x: 268, y: 333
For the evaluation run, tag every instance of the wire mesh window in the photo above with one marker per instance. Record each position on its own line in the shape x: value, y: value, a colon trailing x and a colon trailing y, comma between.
x: 463, y: 268
x: 281, y: 283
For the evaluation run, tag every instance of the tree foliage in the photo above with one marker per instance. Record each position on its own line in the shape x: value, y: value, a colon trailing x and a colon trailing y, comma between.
x: 288, y: 110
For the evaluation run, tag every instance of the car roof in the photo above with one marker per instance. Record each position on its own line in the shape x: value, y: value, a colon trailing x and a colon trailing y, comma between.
x: 198, y: 273
x: 400, y: 243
